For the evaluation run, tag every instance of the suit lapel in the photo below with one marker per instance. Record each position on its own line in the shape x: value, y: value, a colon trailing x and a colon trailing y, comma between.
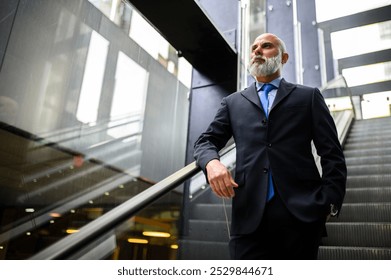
x: 251, y: 94
x: 283, y: 91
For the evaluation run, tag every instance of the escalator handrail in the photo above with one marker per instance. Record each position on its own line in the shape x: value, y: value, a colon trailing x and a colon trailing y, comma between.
x: 70, y: 244
x: 336, y: 83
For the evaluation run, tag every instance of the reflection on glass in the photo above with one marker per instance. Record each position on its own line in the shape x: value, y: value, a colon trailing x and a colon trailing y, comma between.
x: 154, y: 43
x: 130, y: 87
x: 87, y: 110
x: 152, y: 234
x: 72, y: 112
x: 51, y: 193
x: 131, y: 81
x: 118, y: 11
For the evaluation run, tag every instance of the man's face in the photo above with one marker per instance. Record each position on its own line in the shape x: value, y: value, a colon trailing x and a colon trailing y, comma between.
x: 265, y: 56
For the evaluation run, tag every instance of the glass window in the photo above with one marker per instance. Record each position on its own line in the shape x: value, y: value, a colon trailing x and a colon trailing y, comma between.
x: 361, y: 40
x: 145, y: 35
x: 331, y: 9
x: 367, y: 74
x: 375, y: 105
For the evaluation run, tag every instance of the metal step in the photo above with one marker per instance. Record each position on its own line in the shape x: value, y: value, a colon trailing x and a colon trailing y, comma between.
x: 360, y: 195
x: 208, y: 230
x: 369, y: 138
x: 367, y: 144
x: 371, y: 123
x: 386, y: 130
x: 358, y: 234
x: 359, y: 129
x: 353, y: 253
x: 369, y: 169
x: 203, y: 250
x: 364, y: 212
x: 385, y: 151
x: 205, y: 211
x: 368, y: 160
x: 366, y: 181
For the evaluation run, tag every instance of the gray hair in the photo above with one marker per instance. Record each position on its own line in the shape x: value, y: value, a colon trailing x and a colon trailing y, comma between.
x: 281, y: 45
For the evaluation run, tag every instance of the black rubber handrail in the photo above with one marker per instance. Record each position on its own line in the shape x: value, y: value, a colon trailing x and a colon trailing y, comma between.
x: 70, y: 244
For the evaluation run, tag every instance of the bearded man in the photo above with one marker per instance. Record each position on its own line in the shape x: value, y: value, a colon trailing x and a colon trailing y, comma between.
x: 280, y: 201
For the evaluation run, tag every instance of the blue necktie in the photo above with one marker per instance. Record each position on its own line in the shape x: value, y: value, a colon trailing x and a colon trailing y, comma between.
x: 265, y: 104
x: 265, y: 97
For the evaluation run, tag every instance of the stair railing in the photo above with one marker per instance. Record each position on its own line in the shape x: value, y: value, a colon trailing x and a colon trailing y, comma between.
x: 67, y: 246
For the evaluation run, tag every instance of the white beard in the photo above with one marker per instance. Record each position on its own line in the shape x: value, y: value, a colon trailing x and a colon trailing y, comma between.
x: 269, y: 67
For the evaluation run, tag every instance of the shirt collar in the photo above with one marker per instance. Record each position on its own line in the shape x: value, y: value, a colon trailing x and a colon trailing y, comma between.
x: 275, y: 82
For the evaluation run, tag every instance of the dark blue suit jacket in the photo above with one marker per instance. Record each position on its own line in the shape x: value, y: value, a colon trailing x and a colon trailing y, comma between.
x: 282, y: 142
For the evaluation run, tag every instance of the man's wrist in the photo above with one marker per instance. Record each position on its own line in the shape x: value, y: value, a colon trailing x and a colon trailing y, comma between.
x: 211, y: 161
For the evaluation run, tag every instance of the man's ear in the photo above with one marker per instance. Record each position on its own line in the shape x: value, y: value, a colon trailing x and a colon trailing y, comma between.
x: 285, y: 57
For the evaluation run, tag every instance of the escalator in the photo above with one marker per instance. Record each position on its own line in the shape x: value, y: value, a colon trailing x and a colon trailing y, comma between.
x: 60, y: 203
x: 363, y: 229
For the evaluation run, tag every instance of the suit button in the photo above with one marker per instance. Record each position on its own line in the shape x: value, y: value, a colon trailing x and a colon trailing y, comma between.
x: 265, y: 170
x: 264, y: 121
x: 269, y: 145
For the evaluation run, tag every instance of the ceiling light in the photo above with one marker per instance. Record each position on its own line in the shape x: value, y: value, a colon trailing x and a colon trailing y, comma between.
x: 55, y: 215
x: 137, y: 240
x: 156, y: 234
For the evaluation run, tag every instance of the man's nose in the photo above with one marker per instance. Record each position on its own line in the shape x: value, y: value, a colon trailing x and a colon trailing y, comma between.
x: 257, y: 51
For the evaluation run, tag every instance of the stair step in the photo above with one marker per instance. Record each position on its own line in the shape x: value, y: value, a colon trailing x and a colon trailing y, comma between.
x: 207, y: 196
x: 364, y: 131
x: 380, y: 152
x: 369, y: 169
x: 203, y: 250
x: 375, y: 128
x: 364, y: 212
x: 208, y: 230
x: 206, y: 211
x: 386, y: 121
x: 368, y: 160
x: 365, y: 181
x: 353, y: 253
x: 368, y: 140
x: 358, y: 234
x: 367, y: 144
x: 361, y: 195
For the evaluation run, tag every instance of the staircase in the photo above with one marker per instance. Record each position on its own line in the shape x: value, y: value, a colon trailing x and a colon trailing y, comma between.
x: 363, y: 229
